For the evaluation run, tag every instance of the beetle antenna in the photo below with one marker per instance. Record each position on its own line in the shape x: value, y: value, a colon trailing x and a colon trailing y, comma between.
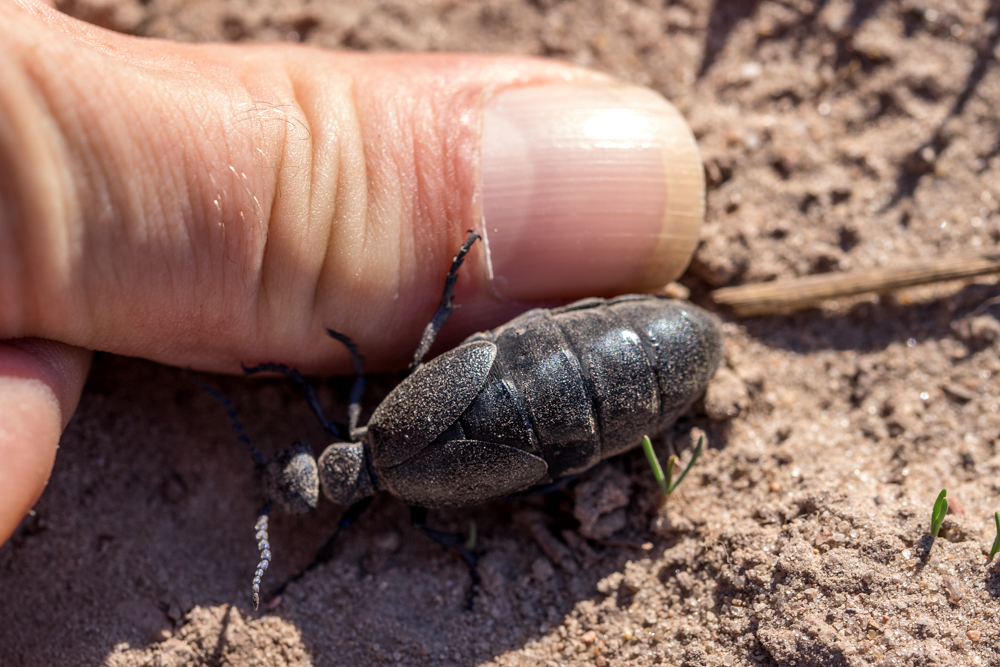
x: 333, y: 428
x: 444, y: 310
x: 263, y: 541
x: 234, y: 418
x: 264, y: 545
x: 358, y: 388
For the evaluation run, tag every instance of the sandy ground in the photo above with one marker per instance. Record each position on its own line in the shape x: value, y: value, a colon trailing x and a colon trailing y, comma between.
x: 836, y: 136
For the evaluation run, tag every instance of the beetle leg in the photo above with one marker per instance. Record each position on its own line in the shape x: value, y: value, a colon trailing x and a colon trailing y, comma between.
x: 444, y: 310
x: 325, y: 553
x: 353, y: 513
x: 358, y: 389
x: 418, y: 516
x: 333, y: 428
x: 543, y: 489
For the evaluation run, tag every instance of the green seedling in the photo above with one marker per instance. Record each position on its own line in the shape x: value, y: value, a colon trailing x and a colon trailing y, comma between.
x: 666, y: 481
x: 937, y: 514
x: 996, y: 542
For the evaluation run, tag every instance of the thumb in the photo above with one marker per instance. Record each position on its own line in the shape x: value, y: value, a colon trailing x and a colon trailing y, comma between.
x: 208, y: 205
x: 40, y: 384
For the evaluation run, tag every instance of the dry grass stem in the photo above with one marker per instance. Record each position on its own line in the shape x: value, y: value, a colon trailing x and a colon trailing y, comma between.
x: 787, y: 295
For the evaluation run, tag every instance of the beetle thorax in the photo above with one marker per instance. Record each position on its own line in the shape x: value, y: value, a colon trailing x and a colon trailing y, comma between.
x: 344, y: 473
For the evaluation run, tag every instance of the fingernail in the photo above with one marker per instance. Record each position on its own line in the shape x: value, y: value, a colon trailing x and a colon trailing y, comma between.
x: 587, y: 190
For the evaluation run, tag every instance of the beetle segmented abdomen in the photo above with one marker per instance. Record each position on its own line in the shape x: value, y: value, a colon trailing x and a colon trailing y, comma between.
x: 687, y: 344
x: 619, y: 373
x: 591, y: 378
x: 549, y: 385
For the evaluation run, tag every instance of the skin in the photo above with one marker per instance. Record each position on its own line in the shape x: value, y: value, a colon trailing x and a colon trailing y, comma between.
x: 212, y: 205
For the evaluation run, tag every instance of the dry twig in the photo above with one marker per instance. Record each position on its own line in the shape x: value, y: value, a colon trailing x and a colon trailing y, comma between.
x: 786, y: 295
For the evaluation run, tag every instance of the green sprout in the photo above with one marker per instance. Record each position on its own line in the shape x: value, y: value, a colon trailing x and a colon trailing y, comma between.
x: 667, y: 482
x: 937, y: 514
x: 996, y: 542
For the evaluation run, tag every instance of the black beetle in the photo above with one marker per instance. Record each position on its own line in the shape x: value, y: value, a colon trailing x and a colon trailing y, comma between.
x: 549, y: 394
x: 546, y: 395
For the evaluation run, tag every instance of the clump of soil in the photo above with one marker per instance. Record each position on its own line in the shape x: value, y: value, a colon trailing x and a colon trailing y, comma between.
x: 836, y: 135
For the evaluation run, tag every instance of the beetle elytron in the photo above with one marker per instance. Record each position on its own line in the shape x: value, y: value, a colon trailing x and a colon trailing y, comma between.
x: 548, y: 394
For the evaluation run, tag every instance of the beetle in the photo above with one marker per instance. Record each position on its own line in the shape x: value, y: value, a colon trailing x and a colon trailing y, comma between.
x: 545, y: 396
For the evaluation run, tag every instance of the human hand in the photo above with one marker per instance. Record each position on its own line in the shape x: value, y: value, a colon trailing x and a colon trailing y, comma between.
x: 212, y: 205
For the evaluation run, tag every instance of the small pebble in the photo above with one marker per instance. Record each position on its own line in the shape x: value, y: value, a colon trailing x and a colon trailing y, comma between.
x: 954, y: 590
x: 751, y: 70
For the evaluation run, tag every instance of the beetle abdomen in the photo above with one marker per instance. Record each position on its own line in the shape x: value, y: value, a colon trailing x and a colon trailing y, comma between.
x: 544, y: 375
x: 619, y: 372
x: 590, y: 379
x: 546, y: 395
x: 686, y: 342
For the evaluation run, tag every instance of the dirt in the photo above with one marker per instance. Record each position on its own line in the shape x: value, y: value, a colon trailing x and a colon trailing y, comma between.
x: 836, y: 136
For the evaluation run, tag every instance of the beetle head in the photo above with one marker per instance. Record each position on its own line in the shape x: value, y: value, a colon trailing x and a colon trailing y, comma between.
x: 344, y: 473
x: 292, y: 479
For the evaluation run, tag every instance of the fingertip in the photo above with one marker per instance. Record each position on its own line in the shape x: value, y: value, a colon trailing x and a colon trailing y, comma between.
x: 40, y: 385
x: 588, y: 190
